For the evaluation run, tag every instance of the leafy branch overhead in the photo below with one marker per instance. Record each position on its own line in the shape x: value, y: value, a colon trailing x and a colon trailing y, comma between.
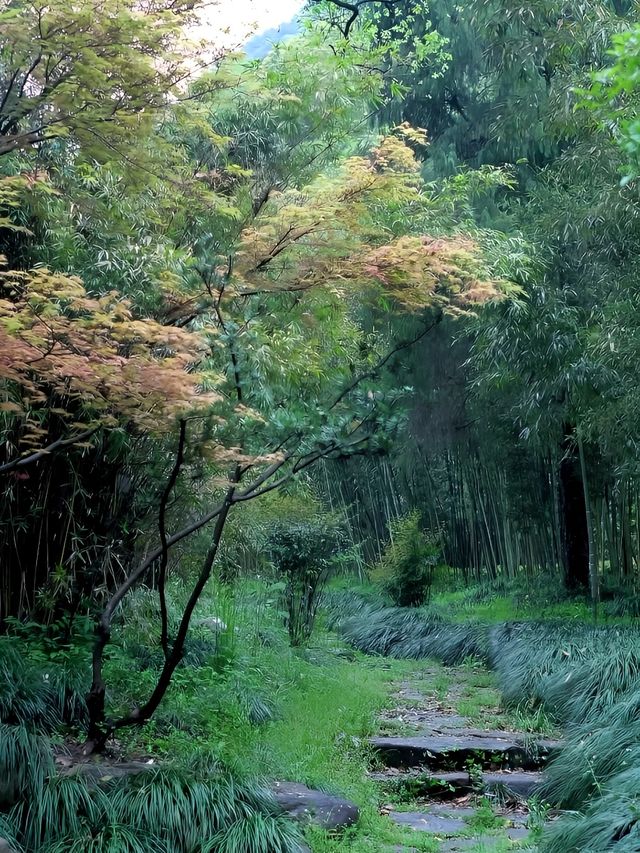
x: 87, y: 360
x: 80, y: 356
x: 205, y: 287
x: 95, y: 72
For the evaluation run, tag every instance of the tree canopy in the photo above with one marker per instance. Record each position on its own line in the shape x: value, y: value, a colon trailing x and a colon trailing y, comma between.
x: 366, y: 304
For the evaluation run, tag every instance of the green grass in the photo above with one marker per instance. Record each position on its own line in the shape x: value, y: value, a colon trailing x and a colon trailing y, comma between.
x: 484, y: 819
x: 244, y: 705
x: 440, y: 683
x: 324, y: 707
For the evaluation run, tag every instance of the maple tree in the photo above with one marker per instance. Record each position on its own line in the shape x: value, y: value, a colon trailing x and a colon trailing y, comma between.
x: 91, y: 72
x: 219, y: 298
x: 315, y: 244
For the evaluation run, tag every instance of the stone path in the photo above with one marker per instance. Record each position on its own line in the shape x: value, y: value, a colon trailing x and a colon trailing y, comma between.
x: 445, y: 750
x: 465, y: 785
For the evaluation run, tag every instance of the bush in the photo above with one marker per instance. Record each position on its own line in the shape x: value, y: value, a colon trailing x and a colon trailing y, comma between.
x: 408, y: 563
x: 301, y: 552
x: 165, y: 811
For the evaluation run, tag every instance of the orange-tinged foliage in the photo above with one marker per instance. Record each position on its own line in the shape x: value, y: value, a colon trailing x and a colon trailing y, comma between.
x: 321, y: 236
x: 97, y: 362
x: 89, y: 359
x: 445, y: 271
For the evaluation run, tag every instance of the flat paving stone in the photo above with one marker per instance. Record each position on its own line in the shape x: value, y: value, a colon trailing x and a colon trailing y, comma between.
x: 485, y: 842
x: 517, y: 833
x: 458, y: 845
x: 451, y: 810
x: 308, y: 806
x: 450, y: 824
x: 522, y: 784
x: 425, y: 822
x: 453, y: 751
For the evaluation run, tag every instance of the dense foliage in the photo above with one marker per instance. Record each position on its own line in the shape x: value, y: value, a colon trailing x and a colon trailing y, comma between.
x: 363, y: 308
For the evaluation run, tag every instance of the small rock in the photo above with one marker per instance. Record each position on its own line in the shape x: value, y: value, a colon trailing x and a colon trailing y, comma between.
x: 306, y: 805
x: 213, y: 623
x: 426, y: 822
x: 5, y: 847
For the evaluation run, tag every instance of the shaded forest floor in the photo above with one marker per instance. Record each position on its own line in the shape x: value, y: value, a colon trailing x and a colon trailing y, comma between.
x: 432, y: 756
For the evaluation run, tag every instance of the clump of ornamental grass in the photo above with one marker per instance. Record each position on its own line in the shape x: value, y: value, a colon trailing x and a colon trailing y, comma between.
x: 9, y: 832
x: 609, y: 827
x: 589, y: 689
x: 26, y: 761
x: 38, y: 690
x: 611, y: 821
x: 409, y: 633
x: 596, y: 752
x: 167, y: 811
x: 575, y: 672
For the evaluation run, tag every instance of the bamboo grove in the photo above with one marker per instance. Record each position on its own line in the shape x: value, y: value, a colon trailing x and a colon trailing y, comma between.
x: 521, y: 445
x: 395, y: 259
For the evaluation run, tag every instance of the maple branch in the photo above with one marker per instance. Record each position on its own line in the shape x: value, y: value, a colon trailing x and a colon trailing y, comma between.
x: 290, y: 237
x: 99, y: 730
x: 45, y: 451
x: 164, y: 557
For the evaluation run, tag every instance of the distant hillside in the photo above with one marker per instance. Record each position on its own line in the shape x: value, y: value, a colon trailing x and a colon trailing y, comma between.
x: 260, y: 45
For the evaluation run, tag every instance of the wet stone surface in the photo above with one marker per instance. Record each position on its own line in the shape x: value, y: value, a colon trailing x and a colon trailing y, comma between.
x: 306, y: 805
x: 447, y: 751
x: 426, y: 748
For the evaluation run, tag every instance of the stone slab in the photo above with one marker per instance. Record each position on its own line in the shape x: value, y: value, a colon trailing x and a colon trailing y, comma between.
x: 458, y: 845
x: 453, y: 751
x: 308, y: 806
x: 426, y: 822
x: 523, y: 784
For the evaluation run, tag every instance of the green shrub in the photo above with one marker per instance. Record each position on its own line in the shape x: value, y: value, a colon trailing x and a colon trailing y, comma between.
x: 407, y: 566
x: 301, y: 552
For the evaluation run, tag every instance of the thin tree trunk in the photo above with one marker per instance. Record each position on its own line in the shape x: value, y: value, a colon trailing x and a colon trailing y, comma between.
x: 593, y: 556
x: 575, y: 535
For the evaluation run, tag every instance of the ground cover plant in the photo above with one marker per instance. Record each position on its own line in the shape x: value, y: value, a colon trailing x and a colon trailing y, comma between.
x: 245, y: 709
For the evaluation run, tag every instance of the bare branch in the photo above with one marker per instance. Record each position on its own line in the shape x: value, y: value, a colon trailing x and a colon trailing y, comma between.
x: 23, y: 461
x: 164, y: 557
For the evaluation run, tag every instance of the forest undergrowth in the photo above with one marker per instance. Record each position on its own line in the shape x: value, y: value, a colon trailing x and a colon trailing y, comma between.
x: 358, y: 315
x: 245, y: 709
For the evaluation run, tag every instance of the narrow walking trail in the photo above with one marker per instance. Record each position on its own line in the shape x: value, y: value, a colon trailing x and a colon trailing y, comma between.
x: 453, y: 766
